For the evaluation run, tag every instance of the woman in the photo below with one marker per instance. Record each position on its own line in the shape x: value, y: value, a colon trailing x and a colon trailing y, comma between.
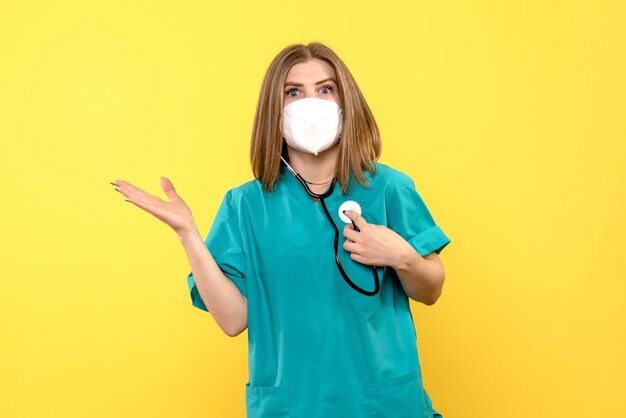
x: 330, y: 331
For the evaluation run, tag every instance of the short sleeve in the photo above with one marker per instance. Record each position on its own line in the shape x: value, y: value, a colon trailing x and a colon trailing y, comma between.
x: 225, y: 243
x: 411, y: 219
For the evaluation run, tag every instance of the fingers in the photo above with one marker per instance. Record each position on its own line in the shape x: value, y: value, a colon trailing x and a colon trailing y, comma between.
x: 355, y: 217
x: 350, y: 246
x: 359, y: 253
x: 118, y: 185
x: 175, y: 214
x: 168, y: 188
x: 125, y: 187
x: 357, y: 225
x: 359, y: 258
x: 135, y: 194
x: 139, y: 198
x: 350, y: 233
x: 355, y: 252
x: 353, y: 239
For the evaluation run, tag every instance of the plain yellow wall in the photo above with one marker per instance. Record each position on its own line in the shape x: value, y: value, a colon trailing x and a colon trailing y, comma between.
x: 509, y: 116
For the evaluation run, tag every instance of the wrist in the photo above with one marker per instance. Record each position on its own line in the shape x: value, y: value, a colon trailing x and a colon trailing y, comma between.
x: 407, y: 258
x: 188, y: 234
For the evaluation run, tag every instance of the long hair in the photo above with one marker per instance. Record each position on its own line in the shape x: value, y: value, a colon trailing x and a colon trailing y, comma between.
x: 359, y: 145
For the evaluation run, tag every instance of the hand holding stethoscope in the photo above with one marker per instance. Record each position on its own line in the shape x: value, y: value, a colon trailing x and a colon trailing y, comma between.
x: 374, y: 245
x: 370, y: 244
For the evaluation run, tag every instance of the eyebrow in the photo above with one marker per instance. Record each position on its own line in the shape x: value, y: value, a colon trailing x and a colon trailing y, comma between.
x: 291, y: 83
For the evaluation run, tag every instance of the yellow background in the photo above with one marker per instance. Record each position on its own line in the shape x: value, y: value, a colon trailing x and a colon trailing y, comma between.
x: 509, y: 116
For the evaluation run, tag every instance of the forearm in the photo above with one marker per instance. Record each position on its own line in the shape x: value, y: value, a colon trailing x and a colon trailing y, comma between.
x: 422, y: 279
x: 220, y: 295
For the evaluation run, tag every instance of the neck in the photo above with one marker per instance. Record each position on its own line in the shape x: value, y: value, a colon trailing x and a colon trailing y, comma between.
x: 315, y: 168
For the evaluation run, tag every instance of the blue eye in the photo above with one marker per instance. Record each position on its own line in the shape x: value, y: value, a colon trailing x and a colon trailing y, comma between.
x: 328, y: 89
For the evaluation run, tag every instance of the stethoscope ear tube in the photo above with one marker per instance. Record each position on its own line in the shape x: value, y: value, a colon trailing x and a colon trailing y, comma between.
x: 321, y: 198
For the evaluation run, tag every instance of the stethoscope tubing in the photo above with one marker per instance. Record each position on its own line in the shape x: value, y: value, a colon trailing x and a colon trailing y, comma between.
x: 321, y: 198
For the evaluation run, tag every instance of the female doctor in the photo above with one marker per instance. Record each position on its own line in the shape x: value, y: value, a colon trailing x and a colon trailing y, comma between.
x: 318, y: 255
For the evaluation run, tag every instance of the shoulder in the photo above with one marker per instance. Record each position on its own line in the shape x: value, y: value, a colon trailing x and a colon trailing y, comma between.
x: 252, y: 189
x: 389, y: 178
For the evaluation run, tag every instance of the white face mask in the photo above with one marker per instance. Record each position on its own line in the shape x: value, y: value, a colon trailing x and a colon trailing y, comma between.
x: 311, y: 124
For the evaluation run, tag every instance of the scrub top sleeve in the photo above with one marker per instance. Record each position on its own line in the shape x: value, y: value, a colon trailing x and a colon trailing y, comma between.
x: 225, y: 243
x: 411, y: 219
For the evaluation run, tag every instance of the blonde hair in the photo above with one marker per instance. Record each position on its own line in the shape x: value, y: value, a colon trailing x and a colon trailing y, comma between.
x: 359, y: 146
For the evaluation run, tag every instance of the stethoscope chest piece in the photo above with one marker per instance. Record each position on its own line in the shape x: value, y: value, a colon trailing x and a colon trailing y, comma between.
x: 348, y: 205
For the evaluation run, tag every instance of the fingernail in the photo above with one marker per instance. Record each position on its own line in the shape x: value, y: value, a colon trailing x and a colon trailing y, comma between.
x: 162, y: 178
x: 118, y: 189
x: 113, y: 184
x: 127, y: 200
x: 344, y: 212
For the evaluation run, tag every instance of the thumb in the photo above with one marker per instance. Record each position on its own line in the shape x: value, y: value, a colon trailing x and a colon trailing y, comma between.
x: 168, y: 188
x: 354, y: 216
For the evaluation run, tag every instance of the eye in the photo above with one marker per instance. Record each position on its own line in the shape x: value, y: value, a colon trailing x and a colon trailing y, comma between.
x: 288, y: 92
x: 327, y: 87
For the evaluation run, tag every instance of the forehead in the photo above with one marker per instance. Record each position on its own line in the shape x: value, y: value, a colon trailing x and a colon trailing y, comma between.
x: 312, y: 70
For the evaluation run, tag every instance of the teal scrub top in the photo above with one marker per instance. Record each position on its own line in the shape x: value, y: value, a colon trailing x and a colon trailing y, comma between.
x: 317, y: 347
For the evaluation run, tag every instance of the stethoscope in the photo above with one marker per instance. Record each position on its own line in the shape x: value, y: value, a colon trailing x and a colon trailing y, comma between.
x: 348, y: 205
